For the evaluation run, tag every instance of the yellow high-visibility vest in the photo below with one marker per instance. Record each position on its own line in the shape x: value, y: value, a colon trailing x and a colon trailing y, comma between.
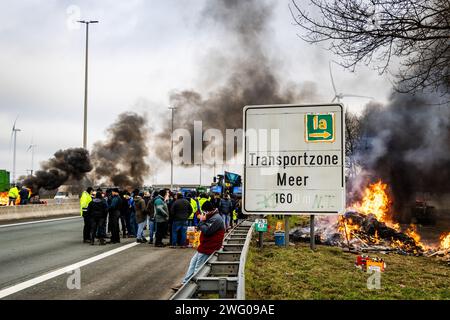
x: 201, y: 201
x: 84, y: 201
x: 194, y: 209
x: 13, y: 193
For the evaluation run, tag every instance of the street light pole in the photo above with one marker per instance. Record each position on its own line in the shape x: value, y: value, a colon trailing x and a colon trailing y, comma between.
x: 86, y: 80
x: 171, y: 152
x: 15, y: 130
x: 201, y: 170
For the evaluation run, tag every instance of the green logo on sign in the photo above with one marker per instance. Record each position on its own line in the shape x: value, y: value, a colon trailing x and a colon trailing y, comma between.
x: 261, y: 225
x: 319, y: 127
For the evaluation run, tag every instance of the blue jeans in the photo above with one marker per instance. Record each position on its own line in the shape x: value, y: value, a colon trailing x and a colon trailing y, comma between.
x: 133, y: 224
x: 140, y: 233
x: 226, y: 219
x: 196, y: 262
x: 151, y: 228
x: 179, y: 226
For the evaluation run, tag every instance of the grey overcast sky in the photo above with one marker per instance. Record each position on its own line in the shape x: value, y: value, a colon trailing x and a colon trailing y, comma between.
x: 139, y: 52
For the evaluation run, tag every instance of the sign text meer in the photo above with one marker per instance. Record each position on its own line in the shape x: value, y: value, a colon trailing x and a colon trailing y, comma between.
x: 294, y: 159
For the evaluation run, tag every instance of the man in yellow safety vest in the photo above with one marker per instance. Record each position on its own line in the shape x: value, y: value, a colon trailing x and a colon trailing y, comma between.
x: 13, y: 194
x: 194, y: 206
x: 85, y: 199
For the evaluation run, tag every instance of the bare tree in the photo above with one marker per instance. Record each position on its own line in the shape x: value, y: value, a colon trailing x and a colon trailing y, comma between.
x: 352, y: 140
x: 376, y: 31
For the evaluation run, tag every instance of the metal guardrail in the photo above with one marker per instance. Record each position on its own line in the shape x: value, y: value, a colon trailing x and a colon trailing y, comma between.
x: 222, y: 276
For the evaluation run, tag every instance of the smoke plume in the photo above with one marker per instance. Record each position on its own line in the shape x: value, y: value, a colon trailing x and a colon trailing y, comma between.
x: 120, y: 160
x: 407, y: 144
x: 70, y: 164
x: 250, y: 72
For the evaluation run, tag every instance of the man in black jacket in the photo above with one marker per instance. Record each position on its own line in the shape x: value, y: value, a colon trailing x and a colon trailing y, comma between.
x: 114, y: 214
x: 180, y: 211
x: 97, y: 211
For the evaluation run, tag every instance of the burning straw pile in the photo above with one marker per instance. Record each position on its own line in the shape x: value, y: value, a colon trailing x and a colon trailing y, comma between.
x: 366, y: 227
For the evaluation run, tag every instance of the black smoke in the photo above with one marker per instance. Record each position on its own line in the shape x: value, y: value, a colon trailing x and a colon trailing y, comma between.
x: 70, y: 164
x: 121, y: 160
x: 251, y: 75
x: 407, y: 145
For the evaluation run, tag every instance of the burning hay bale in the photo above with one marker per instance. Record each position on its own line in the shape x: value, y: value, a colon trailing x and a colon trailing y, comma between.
x: 443, y: 253
x: 360, y: 233
x: 367, y: 226
x: 370, y: 232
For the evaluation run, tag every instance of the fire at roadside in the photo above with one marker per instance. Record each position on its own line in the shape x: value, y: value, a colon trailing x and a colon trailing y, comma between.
x: 366, y: 227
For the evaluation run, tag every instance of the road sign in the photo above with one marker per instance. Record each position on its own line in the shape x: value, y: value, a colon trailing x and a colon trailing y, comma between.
x: 261, y: 225
x: 294, y: 159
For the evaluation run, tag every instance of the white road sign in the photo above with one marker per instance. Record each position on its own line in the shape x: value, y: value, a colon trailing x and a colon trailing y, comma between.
x: 294, y: 159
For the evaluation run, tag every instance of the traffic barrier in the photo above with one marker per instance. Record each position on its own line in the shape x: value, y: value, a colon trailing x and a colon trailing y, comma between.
x: 223, y: 274
x: 31, y: 211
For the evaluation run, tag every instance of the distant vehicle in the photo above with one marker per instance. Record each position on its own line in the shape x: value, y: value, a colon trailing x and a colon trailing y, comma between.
x: 4, y: 180
x: 423, y: 213
x: 64, y: 193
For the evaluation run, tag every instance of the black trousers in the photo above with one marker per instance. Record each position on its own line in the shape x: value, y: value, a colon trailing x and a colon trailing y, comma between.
x: 96, y: 222
x: 161, y: 231
x: 87, y: 227
x: 114, y: 225
x: 123, y: 224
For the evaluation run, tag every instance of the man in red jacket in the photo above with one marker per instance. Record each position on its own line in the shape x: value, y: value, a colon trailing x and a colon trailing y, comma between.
x: 212, y: 229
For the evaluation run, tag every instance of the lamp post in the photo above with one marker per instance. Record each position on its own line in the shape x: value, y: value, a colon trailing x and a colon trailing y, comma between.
x: 87, y: 23
x: 15, y: 130
x: 171, y: 151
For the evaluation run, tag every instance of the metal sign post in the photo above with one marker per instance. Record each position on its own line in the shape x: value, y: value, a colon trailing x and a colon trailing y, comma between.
x: 286, y: 231
x: 312, y: 242
x: 260, y: 237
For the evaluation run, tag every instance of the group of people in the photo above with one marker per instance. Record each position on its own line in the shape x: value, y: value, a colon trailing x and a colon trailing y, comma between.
x: 16, y: 192
x: 163, y: 213
x: 212, y: 215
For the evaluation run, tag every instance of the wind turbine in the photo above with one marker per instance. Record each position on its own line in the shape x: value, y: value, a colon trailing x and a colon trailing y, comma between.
x: 14, y: 134
x: 339, y: 96
x: 32, y: 147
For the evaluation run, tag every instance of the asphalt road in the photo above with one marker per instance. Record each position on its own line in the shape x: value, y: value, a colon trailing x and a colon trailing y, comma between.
x: 139, y: 272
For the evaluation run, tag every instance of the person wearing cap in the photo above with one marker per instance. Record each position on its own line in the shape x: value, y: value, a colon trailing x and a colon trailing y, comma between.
x: 212, y: 229
x: 161, y: 216
x: 141, y: 216
x: 151, y: 216
x: 181, y: 209
x: 114, y: 214
x: 97, y: 211
x: 85, y: 199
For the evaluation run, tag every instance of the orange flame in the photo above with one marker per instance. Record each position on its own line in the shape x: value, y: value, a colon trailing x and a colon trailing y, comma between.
x: 375, y: 201
x: 4, y: 198
x: 412, y: 232
x: 445, y: 241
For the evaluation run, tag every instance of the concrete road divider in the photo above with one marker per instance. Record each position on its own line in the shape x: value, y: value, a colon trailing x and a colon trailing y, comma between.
x: 33, y: 211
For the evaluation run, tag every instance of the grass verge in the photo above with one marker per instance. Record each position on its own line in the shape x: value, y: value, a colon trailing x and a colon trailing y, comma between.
x: 329, y: 273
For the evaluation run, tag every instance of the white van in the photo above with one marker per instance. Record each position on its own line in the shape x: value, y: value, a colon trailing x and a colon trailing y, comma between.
x: 64, y: 194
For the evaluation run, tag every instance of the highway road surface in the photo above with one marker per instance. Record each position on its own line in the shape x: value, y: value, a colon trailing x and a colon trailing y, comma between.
x: 37, y: 260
